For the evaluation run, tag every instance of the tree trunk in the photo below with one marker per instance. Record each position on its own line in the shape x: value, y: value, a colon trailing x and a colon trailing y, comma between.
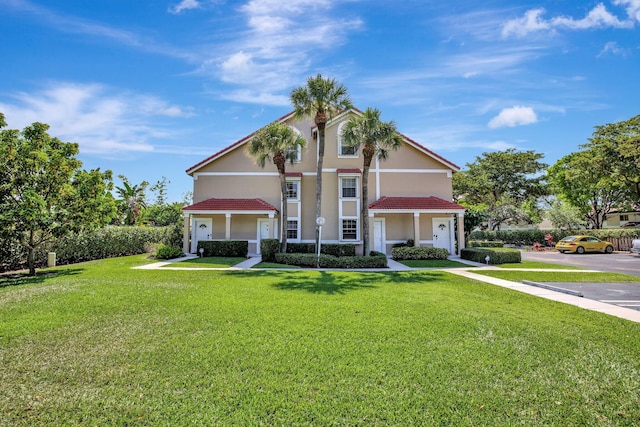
x: 368, y: 156
x: 321, y: 129
x: 31, y: 261
x: 285, y: 213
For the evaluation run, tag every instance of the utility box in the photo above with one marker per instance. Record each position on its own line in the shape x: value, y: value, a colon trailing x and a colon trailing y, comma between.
x: 51, y: 259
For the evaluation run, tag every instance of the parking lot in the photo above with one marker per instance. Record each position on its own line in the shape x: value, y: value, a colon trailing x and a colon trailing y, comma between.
x: 623, y: 294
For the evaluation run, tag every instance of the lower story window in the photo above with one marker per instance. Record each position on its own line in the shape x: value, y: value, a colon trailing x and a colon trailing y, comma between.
x: 349, y: 229
x: 292, y: 229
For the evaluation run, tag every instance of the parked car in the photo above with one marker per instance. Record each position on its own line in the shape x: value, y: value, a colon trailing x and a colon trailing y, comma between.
x: 635, y: 247
x: 582, y: 244
x: 631, y: 224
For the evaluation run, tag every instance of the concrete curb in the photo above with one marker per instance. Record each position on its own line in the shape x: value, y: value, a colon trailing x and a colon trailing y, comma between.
x: 554, y: 288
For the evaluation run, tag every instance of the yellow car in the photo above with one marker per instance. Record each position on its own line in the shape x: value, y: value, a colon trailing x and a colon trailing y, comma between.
x: 582, y: 244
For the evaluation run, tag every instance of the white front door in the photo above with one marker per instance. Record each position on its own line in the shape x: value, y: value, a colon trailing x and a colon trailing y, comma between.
x: 202, y: 230
x: 264, y: 226
x: 442, y: 234
x: 379, y: 236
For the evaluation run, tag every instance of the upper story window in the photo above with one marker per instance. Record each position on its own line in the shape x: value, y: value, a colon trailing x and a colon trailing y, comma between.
x: 345, y: 150
x: 297, y: 154
x: 348, y: 187
x: 293, y: 190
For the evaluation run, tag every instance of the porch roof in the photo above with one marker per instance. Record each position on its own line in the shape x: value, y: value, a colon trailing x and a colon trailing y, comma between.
x: 414, y: 204
x: 230, y: 205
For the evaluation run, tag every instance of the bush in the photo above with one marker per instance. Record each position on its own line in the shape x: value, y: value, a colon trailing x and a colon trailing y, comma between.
x: 529, y: 237
x: 107, y: 242
x: 224, y: 248
x: 168, y: 252
x: 496, y: 255
x: 376, y: 260
x: 334, y: 249
x: 269, y: 248
x: 418, y: 252
x: 485, y: 244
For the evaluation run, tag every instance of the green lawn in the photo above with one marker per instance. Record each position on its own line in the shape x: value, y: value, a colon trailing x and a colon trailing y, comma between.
x: 556, y: 276
x: 101, y: 344
x: 208, y: 262
x: 536, y: 264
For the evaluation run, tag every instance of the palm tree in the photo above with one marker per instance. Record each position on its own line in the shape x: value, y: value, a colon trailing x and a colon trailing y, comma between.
x: 321, y: 99
x: 280, y: 143
x: 376, y: 138
x: 132, y: 199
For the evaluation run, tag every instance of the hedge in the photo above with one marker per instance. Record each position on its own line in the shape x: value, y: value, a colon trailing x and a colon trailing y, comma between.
x: 108, y: 242
x: 485, y: 244
x: 496, y: 255
x: 268, y: 249
x: 334, y: 249
x: 376, y: 260
x: 529, y: 237
x: 224, y: 248
x: 414, y: 252
x: 168, y: 252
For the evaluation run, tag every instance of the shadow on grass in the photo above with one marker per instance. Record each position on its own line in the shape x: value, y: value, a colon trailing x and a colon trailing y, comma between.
x: 18, y: 279
x: 339, y: 283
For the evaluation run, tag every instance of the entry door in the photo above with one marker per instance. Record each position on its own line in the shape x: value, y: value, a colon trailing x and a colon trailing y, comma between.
x: 442, y: 234
x: 379, y: 236
x: 263, y: 231
x: 202, y: 231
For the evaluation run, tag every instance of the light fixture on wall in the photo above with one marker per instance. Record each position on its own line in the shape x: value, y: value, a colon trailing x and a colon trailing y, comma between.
x: 442, y: 226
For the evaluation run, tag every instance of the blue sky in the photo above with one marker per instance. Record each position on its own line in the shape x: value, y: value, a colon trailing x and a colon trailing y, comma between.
x: 149, y: 88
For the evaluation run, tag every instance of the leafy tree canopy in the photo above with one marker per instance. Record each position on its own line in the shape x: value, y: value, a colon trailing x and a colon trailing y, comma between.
x: 44, y: 193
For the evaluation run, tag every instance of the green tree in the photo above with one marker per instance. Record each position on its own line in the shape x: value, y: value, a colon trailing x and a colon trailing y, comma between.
x: 43, y: 192
x: 499, y: 180
x: 160, y: 188
x: 376, y: 139
x: 133, y: 199
x: 279, y: 143
x: 320, y: 99
x: 618, y: 145
x: 565, y: 216
x: 583, y: 179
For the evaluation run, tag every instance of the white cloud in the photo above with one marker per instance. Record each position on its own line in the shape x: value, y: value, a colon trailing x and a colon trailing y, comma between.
x: 184, y: 5
x: 101, y: 120
x: 612, y: 48
x: 598, y: 17
x: 515, y: 116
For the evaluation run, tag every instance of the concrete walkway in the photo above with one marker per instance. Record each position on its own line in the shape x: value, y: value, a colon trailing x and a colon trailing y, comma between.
x: 468, y: 272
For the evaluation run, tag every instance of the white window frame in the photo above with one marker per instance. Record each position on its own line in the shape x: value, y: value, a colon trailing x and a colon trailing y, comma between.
x: 297, y: 229
x: 340, y: 145
x: 357, y: 186
x: 297, y: 185
x: 298, y: 158
x: 357, y: 229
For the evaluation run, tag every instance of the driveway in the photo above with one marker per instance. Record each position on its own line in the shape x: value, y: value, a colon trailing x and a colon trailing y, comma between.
x: 621, y: 294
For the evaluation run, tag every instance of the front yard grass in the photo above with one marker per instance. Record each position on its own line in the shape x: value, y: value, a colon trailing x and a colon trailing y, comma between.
x: 101, y: 344
x: 433, y: 263
x: 557, y: 276
x: 537, y: 264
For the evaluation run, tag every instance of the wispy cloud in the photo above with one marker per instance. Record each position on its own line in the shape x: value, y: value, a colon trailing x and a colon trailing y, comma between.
x: 599, y: 17
x: 102, y: 120
x: 184, y: 5
x: 514, y: 116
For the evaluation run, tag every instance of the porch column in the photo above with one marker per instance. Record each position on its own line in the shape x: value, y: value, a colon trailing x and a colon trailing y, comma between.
x: 372, y: 242
x: 460, y: 232
x: 416, y: 229
x: 227, y: 226
x: 271, y: 224
x: 185, y: 235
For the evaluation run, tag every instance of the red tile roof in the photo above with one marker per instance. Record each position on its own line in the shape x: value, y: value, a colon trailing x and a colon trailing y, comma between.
x: 414, y: 203
x: 231, y: 205
x: 293, y: 174
x: 349, y: 170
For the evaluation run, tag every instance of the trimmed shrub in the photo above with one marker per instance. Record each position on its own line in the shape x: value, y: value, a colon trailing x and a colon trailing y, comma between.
x: 496, y: 255
x: 485, y: 244
x: 269, y: 248
x: 529, y: 237
x: 168, y: 252
x: 376, y: 260
x: 334, y: 249
x: 224, y: 248
x: 107, y: 242
x: 418, y: 252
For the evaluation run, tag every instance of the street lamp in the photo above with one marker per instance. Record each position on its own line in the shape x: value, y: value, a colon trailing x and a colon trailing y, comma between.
x: 319, y: 223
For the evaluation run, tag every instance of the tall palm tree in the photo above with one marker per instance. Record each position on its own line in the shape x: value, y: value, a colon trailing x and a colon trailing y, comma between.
x: 132, y: 199
x: 279, y: 143
x: 321, y: 99
x: 376, y: 138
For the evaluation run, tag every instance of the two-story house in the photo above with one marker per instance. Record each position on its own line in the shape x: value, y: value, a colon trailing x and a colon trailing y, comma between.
x: 411, y: 193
